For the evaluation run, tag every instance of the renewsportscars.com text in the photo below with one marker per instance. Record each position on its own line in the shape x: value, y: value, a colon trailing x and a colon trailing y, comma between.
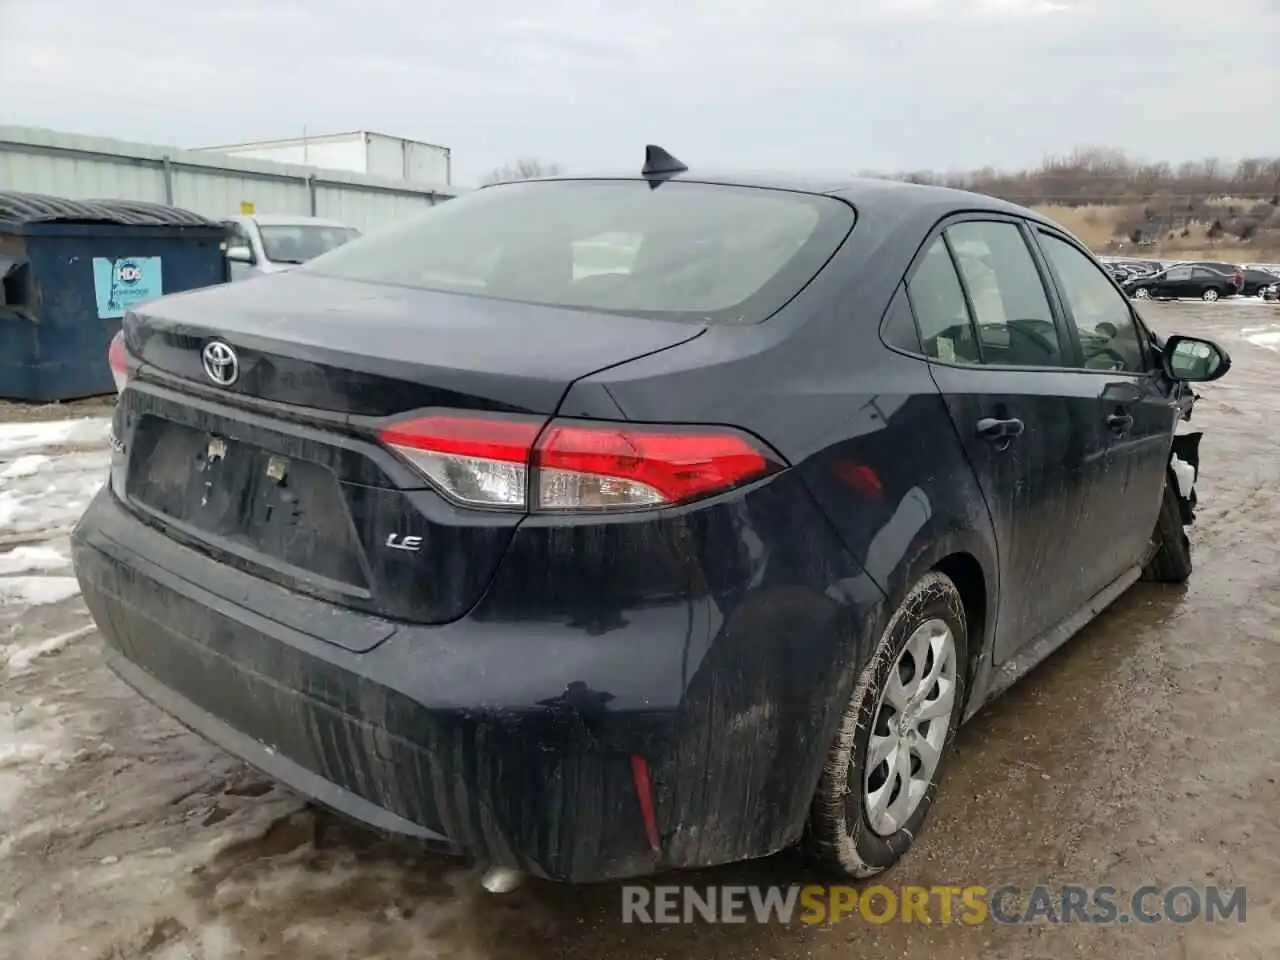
x: 939, y: 904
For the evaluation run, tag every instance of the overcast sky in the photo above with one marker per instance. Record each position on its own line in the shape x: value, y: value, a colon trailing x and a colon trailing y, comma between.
x: 825, y: 86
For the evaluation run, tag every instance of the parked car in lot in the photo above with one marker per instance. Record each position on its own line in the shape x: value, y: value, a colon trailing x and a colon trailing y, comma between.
x: 681, y: 562
x: 1232, y: 270
x: 1119, y: 271
x: 1134, y: 266
x: 1271, y: 293
x: 1182, y: 281
x: 270, y: 243
x: 1126, y: 269
x: 1256, y: 280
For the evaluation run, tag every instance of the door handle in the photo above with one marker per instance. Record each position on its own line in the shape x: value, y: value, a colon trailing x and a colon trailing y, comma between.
x: 989, y: 428
x: 1119, y: 423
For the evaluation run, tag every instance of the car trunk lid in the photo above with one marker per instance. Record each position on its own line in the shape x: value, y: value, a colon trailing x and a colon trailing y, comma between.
x: 375, y: 350
x: 280, y: 472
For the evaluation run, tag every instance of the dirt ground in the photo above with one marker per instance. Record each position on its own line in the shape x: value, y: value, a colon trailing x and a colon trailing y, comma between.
x: 1145, y: 751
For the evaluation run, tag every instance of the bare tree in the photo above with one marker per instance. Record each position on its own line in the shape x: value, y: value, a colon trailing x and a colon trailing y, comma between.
x: 1105, y: 175
x: 524, y: 169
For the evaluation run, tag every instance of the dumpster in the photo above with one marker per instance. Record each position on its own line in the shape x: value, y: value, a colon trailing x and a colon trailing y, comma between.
x: 69, y: 269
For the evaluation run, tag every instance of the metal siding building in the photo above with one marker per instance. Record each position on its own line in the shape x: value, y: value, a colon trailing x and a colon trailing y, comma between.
x: 357, y: 152
x: 214, y: 185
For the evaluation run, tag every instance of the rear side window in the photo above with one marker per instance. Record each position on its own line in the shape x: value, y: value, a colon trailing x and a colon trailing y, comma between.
x: 1014, y: 319
x: 704, y: 253
x: 900, y: 325
x: 1104, y: 322
x: 937, y: 299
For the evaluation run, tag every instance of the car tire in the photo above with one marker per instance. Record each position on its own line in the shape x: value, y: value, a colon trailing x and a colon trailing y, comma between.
x: 1142, y: 293
x: 1171, y: 563
x: 1210, y: 295
x: 843, y: 836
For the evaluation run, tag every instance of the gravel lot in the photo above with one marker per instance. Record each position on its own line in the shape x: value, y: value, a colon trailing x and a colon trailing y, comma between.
x: 1146, y: 751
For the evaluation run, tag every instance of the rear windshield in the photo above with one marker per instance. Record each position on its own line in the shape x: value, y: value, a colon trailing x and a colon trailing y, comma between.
x: 681, y: 251
x: 300, y: 242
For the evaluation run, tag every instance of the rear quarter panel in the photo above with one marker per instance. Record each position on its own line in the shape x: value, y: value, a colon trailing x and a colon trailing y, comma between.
x: 873, y: 452
x: 817, y: 383
x: 733, y: 618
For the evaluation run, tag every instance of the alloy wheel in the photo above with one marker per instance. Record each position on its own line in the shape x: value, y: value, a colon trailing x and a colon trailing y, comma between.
x: 910, y: 727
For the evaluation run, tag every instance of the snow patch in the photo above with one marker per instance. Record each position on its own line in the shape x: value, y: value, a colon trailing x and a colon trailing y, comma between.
x: 31, y: 559
x: 25, y: 437
x: 31, y: 737
x: 24, y: 466
x: 30, y: 591
x: 1267, y: 337
x: 51, y: 500
x: 42, y: 495
x: 20, y: 659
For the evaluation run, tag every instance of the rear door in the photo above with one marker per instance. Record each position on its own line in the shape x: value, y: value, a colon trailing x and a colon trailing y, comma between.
x: 1026, y: 421
x: 1133, y: 405
x: 1177, y: 282
x: 1209, y: 278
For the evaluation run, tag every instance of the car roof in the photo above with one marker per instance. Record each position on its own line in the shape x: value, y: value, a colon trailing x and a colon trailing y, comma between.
x: 869, y: 195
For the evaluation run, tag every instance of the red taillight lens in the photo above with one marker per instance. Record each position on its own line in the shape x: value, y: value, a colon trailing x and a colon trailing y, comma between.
x: 475, y: 461
x: 118, y: 359
x: 603, y: 466
x: 573, y: 465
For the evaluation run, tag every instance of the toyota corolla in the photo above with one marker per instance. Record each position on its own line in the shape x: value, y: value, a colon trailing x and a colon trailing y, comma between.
x: 597, y: 527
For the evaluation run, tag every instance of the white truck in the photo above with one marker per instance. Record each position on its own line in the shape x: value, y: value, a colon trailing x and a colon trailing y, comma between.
x: 270, y: 243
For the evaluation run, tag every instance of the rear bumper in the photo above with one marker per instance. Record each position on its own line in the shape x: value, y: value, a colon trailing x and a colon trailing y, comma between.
x: 267, y: 759
x: 431, y: 734
x: 508, y: 739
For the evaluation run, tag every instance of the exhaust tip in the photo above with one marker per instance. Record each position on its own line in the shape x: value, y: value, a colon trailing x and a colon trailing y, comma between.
x: 502, y: 879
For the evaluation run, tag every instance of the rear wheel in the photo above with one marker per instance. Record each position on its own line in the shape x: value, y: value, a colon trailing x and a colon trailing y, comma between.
x: 882, y: 771
x: 1210, y: 295
x: 1171, y: 562
x: 1142, y: 293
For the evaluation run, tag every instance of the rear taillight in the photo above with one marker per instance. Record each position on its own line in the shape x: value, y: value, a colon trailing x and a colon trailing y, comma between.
x: 516, y: 463
x: 122, y: 366
x: 475, y: 461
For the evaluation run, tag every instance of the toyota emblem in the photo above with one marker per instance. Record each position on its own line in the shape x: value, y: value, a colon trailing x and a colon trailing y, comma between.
x: 220, y: 363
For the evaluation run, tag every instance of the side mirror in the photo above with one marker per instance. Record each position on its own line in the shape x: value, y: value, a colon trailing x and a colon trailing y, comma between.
x: 1194, y: 360
x: 240, y: 254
